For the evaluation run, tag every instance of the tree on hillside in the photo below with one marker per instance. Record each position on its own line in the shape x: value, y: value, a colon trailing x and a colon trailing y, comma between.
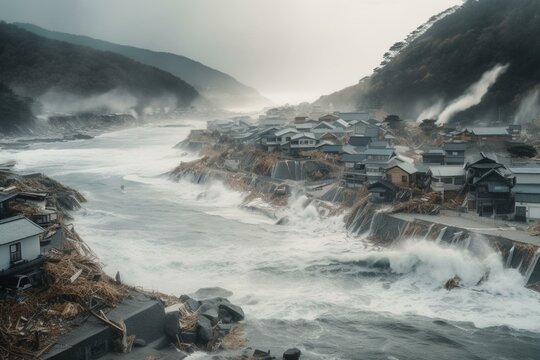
x: 521, y: 150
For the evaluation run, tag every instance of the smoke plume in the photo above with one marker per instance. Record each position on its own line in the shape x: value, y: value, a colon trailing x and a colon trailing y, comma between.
x: 431, y: 112
x: 529, y: 108
x: 474, y: 94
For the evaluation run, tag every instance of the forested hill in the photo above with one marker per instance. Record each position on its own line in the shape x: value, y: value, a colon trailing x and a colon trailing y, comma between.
x: 218, y: 87
x: 454, y: 53
x: 36, y: 67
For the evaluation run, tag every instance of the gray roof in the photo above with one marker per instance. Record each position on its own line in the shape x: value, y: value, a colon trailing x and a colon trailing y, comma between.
x: 304, y: 135
x: 407, y: 167
x: 447, y: 170
x: 387, y: 152
x: 378, y: 144
x: 324, y: 124
x: 353, y: 157
x: 455, y: 146
x: 526, y: 189
x: 527, y: 193
x: 525, y: 170
x: 286, y: 131
x: 372, y: 132
x: 17, y: 228
x: 486, y: 131
x: 434, y: 152
x: 349, y: 116
x: 359, y: 140
x: 8, y: 196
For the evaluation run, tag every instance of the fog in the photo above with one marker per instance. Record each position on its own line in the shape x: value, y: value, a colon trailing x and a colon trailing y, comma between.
x: 290, y: 50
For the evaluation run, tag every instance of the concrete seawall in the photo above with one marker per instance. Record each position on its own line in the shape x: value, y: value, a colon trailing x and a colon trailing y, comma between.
x: 518, y: 249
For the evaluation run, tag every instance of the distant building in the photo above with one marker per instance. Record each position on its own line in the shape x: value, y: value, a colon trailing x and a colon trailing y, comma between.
x: 446, y: 178
x: 19, y: 244
x: 382, y: 191
x: 527, y: 202
x: 359, y: 140
x: 351, y: 116
x: 328, y: 117
x: 301, y: 142
x: 486, y: 134
x: 454, y: 153
x: 492, y: 194
x: 526, y: 175
x: 433, y: 157
x: 4, y: 203
x: 402, y: 175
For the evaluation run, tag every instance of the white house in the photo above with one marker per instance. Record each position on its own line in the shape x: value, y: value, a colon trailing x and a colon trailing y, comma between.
x: 446, y: 177
x: 527, y: 205
x: 302, y: 142
x: 19, y: 242
x: 285, y: 135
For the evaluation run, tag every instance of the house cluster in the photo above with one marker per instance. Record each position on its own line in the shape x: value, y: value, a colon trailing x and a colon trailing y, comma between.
x: 492, y: 188
x: 484, y: 135
x: 366, y: 149
x: 25, y: 218
x: 282, y: 130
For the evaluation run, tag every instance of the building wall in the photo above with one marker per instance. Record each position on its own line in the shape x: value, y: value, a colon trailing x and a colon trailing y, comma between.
x: 395, y: 176
x: 533, y: 210
x: 527, y: 178
x: 29, y: 251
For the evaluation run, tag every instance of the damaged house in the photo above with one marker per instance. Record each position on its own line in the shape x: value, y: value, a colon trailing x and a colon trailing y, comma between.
x: 19, y: 245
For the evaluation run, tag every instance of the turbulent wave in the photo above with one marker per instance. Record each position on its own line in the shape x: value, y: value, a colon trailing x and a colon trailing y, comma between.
x: 307, y: 281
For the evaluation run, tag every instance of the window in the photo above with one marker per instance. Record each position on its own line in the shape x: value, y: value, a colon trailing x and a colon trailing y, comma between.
x: 447, y: 180
x: 458, y: 181
x: 15, y: 252
x: 404, y: 179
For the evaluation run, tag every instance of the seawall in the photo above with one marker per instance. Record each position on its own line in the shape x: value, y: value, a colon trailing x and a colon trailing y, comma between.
x: 518, y: 249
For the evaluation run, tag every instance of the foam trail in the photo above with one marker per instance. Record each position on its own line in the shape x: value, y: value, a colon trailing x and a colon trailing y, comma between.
x: 473, y: 96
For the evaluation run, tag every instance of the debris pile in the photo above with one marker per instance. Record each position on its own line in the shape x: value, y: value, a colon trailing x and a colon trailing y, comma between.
x: 73, y: 285
x: 534, y: 229
x: 426, y: 203
x: 209, y: 325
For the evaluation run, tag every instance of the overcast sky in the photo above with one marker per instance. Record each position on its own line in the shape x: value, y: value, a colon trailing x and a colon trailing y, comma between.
x: 288, y: 49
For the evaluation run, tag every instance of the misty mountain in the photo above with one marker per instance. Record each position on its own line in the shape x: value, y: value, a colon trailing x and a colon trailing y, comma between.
x: 71, y: 78
x: 220, y: 88
x: 450, y: 58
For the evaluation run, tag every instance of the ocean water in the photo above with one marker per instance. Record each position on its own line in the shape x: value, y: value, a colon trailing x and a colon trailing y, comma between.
x: 308, y: 284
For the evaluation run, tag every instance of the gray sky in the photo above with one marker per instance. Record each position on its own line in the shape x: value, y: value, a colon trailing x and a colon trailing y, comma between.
x: 290, y: 50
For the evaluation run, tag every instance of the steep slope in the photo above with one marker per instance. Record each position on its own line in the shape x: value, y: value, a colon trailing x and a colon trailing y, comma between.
x: 454, y: 54
x: 15, y: 111
x: 50, y: 70
x: 220, y: 88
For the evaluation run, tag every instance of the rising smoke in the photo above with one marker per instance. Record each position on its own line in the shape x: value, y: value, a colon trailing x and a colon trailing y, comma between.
x: 474, y: 94
x: 431, y: 112
x: 529, y: 109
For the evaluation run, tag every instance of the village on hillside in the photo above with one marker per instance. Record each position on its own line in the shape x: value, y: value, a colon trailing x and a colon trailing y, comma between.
x: 489, y: 171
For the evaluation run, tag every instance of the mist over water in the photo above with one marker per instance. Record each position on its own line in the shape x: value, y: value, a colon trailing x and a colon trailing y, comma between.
x: 309, y: 283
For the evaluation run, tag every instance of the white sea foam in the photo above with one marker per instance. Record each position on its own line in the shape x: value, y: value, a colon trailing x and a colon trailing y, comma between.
x: 178, y: 237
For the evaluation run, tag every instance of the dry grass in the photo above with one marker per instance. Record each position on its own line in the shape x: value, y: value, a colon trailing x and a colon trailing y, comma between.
x: 235, y: 339
x: 534, y: 229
